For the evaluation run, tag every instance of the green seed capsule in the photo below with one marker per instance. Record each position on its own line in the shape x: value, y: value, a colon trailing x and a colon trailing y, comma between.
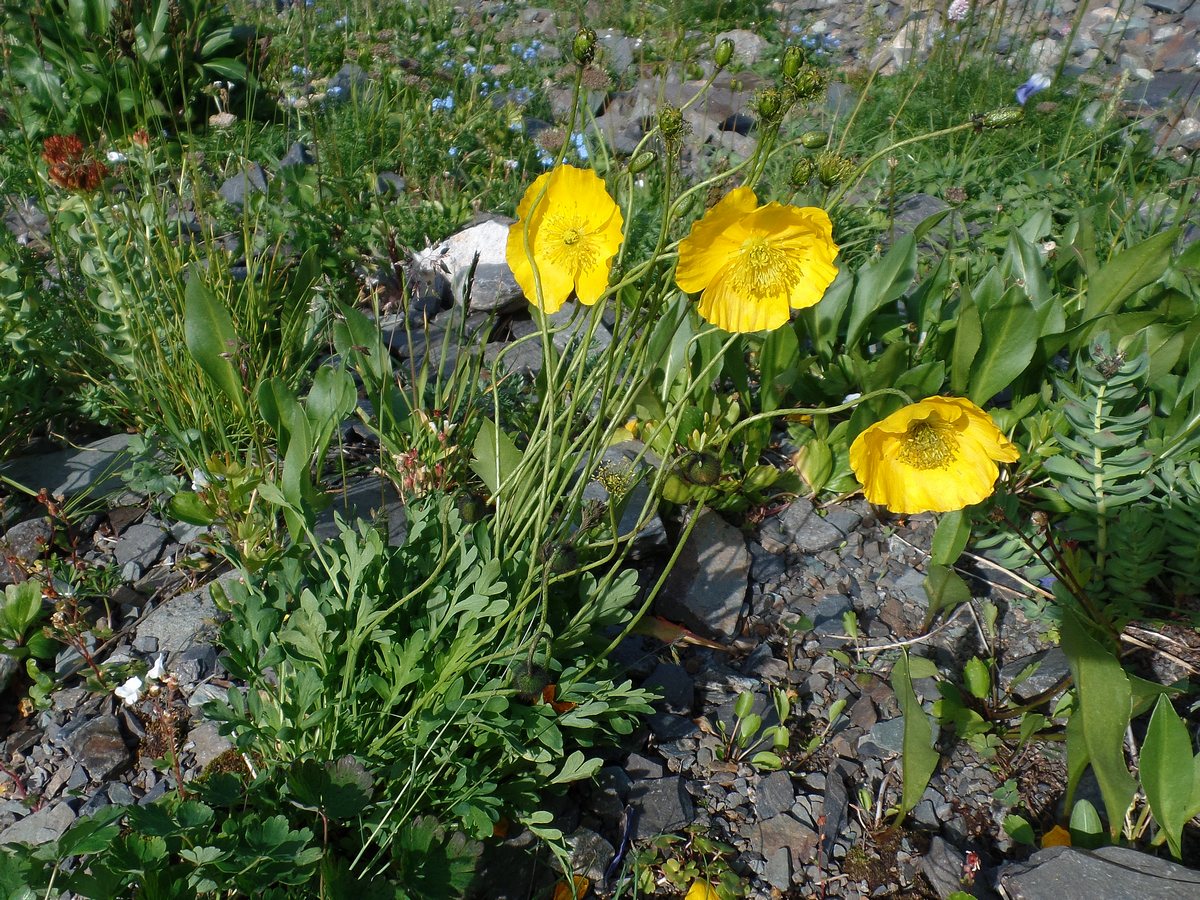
x: 471, y: 507
x: 769, y: 105
x: 1003, y: 117
x: 803, y: 170
x: 814, y: 140
x: 793, y: 59
x: 809, y: 83
x: 584, y: 46
x: 724, y: 53
x: 642, y: 162
x: 529, y: 682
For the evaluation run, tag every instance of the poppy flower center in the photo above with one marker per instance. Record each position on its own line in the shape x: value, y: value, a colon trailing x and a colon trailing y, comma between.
x: 763, y: 269
x: 571, y: 246
x: 928, y: 445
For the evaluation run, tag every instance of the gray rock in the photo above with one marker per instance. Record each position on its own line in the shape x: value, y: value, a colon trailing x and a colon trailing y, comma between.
x: 784, y: 832
x: 493, y: 287
x: 251, y: 180
x: 748, y: 47
x: 707, y: 588
x: 9, y: 666
x: 1068, y: 873
x: 24, y: 542
x: 616, y: 51
x: 775, y: 795
x: 371, y: 498
x: 41, y: 827
x: 195, y: 663
x: 25, y: 219
x: 95, y: 467
x: 590, y: 854
x: 99, y: 746
x: 800, y: 528
x: 778, y: 872
x: 1174, y: 7
x: 643, y: 768
x: 297, y: 155
x: 207, y: 743
x: 119, y: 794
x: 391, y: 183
x: 662, y: 804
x: 676, y: 687
x: 836, y: 806
x: 349, y: 78
x: 141, y: 544
x: 1051, y: 669
x: 943, y: 866
x: 183, y: 621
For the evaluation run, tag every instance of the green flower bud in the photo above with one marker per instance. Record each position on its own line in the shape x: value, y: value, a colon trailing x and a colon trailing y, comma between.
x: 814, y: 140
x: 803, y: 170
x: 672, y: 126
x: 584, y: 46
x: 471, y: 507
x: 724, y: 53
x: 769, y: 104
x: 642, y: 162
x: 1003, y: 117
x: 793, y: 59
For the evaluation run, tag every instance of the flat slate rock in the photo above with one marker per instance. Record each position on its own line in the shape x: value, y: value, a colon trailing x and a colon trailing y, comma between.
x: 183, y: 621
x: 707, y: 588
x: 1068, y: 873
x: 663, y: 805
x: 95, y: 467
x: 41, y: 827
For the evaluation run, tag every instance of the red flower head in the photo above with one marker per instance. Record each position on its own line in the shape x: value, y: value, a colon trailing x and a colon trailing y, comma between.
x: 71, y: 166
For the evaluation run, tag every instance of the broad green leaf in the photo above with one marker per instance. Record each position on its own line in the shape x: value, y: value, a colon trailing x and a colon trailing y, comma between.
x: 921, y: 667
x: 878, y: 284
x: 1086, y: 828
x: 1128, y: 272
x: 210, y: 338
x: 920, y: 757
x: 186, y: 506
x: 950, y: 538
x: 1105, y: 707
x: 1010, y: 331
x: 945, y: 589
x: 777, y: 367
x: 1019, y: 829
x: 496, y: 456
x: 968, y: 336
x: 1166, y: 769
x: 977, y: 678
x: 824, y: 320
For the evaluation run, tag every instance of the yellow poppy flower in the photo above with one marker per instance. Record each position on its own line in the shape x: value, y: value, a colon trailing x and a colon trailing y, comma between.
x: 574, y: 233
x: 702, y: 890
x: 754, y: 264
x: 934, y: 456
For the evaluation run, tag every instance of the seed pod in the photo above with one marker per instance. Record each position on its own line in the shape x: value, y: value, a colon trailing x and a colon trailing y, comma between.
x: 793, y: 59
x: 769, y: 104
x: 1003, y: 117
x: 803, y: 170
x: 724, y: 53
x: 833, y: 169
x: 814, y: 140
x: 584, y: 46
x: 809, y: 83
x: 642, y: 162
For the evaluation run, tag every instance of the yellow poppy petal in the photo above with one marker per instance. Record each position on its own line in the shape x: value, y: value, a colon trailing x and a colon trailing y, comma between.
x: 723, y: 305
x: 713, y: 240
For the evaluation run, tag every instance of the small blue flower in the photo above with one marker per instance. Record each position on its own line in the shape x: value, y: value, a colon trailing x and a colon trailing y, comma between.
x: 514, y: 49
x: 1036, y: 83
x: 336, y: 91
x: 342, y: 22
x: 546, y: 160
x: 580, y: 147
x: 469, y: 69
x: 516, y: 125
x: 529, y: 55
x: 301, y: 70
x: 448, y: 64
x: 521, y: 96
x: 453, y: 152
x: 441, y: 45
x: 446, y: 102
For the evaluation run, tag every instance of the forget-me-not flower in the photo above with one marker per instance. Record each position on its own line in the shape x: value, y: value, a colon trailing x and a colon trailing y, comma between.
x: 1037, y: 82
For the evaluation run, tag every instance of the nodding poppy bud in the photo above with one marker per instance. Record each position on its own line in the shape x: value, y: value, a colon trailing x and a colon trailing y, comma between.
x: 584, y: 46
x: 471, y: 507
x: 793, y: 58
x: 1003, y: 117
x: 814, y: 140
x: 724, y: 53
x: 702, y: 468
x: 529, y: 682
x: 642, y: 162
